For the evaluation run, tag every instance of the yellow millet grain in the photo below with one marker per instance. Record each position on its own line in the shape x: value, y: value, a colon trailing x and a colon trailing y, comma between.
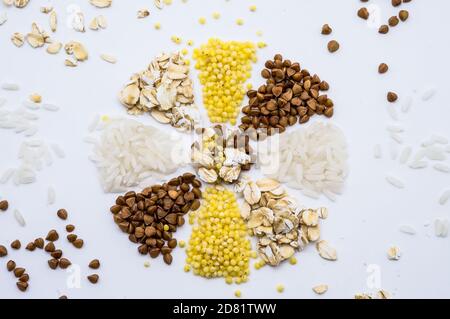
x: 218, y: 246
x: 280, y: 288
x: 224, y: 68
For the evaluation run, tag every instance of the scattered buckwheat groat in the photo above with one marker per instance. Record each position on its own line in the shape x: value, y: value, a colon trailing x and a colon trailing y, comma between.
x: 392, y: 97
x: 383, y: 68
x: 403, y: 15
x: 363, y: 13
x: 4, y: 205
x: 326, y: 29
x: 333, y: 46
x: 383, y: 29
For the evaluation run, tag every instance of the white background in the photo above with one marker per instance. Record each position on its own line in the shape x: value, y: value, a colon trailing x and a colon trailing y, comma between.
x: 363, y: 223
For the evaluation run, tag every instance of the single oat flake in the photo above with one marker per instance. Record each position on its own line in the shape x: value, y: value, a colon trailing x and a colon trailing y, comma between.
x: 54, y: 48
x: 20, y: 3
x: 108, y: 58
x: 143, y: 13
x: 53, y: 20
x: 320, y: 289
x: 101, y: 3
x: 18, y: 39
x: 46, y: 9
x: 326, y: 251
x: 393, y: 253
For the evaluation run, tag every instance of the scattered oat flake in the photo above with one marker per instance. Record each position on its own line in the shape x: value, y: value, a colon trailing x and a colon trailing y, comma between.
x: 54, y: 48
x: 143, y: 13
x: 326, y: 251
x: 102, y: 22
x: 93, y: 25
x: 320, y: 289
x: 108, y: 58
x: 18, y: 39
x: 393, y: 253
x: 101, y: 3
x: 47, y: 9
x: 53, y: 20
x: 158, y: 4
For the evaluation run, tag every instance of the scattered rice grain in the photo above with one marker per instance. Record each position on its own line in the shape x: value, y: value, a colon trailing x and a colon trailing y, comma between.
x: 445, y: 196
x: 395, y: 181
x: 19, y: 218
x: 428, y: 94
x: 440, y: 167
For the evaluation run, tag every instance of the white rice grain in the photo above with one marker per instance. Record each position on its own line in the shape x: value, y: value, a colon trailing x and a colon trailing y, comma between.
x: 31, y: 105
x: 435, y: 153
x: 406, y: 105
x: 58, y: 151
x: 441, y: 167
x: 10, y: 86
x: 396, y: 137
x: 392, y: 111
x: 405, y: 154
x: 444, y: 197
x: 428, y: 142
x: 3, y: 17
x: 31, y: 131
x: 418, y: 164
x: 50, y: 107
x: 428, y: 94
x: 51, y: 196
x: 7, y: 175
x: 395, y: 181
x: 393, y: 150
x: 439, y: 139
x: 395, y: 128
x: 2, y: 101
x: 19, y: 218
x: 94, y: 123
x: 407, y: 229
x: 377, y: 153
x: 420, y: 155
